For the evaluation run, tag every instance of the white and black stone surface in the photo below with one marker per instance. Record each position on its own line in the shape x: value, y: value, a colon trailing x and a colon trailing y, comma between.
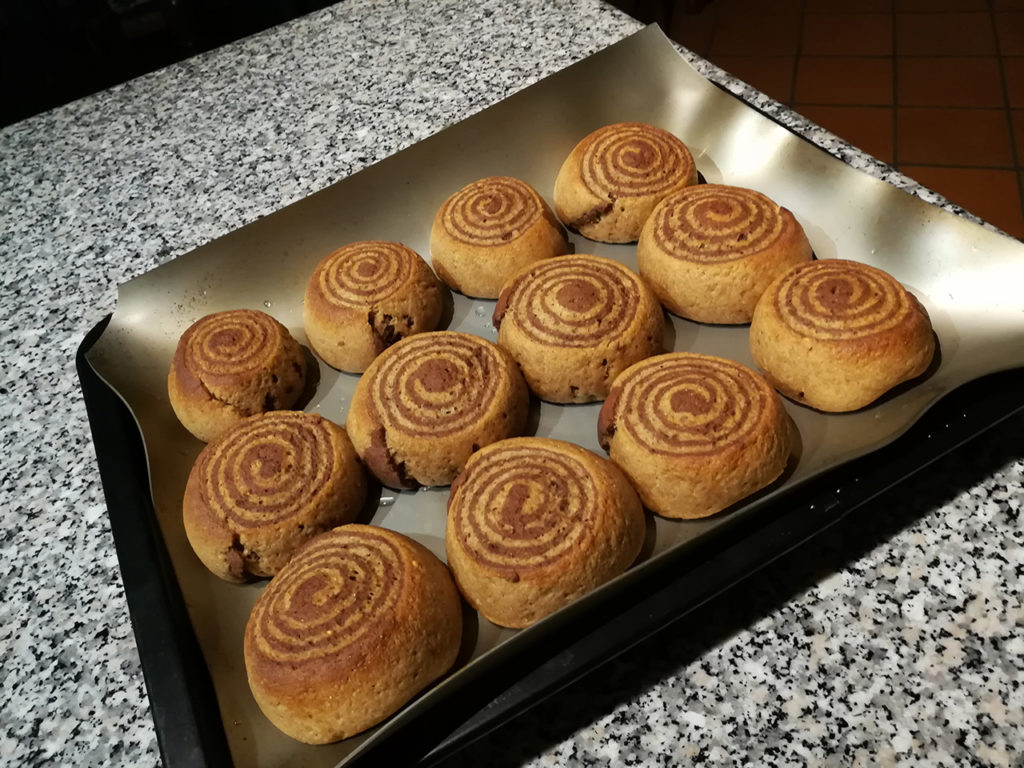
x: 894, y: 639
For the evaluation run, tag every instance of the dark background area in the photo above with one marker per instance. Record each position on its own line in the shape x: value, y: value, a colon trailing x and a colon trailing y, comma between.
x: 55, y: 51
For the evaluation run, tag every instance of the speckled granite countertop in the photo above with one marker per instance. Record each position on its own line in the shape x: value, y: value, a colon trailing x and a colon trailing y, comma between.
x: 896, y: 639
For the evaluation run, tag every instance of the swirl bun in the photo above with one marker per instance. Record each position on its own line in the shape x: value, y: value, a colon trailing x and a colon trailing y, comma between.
x: 709, y: 251
x: 490, y: 229
x: 838, y: 334
x: 359, y: 621
x: 614, y: 177
x: 575, y: 323
x: 230, y: 365
x: 364, y: 297
x: 694, y: 433
x: 265, y: 487
x: 534, y: 524
x: 429, y: 402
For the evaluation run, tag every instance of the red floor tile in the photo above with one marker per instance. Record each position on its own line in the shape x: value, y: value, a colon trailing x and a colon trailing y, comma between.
x: 748, y: 35
x: 868, y: 128
x: 759, y: 7
x: 960, y: 137
x: 944, y: 34
x: 847, y: 34
x: 694, y: 30
x: 1010, y: 33
x: 940, y: 6
x: 1017, y: 119
x: 843, y: 80
x: 992, y: 195
x: 1013, y: 67
x: 864, y: 6
x: 949, y: 81
x: 771, y: 74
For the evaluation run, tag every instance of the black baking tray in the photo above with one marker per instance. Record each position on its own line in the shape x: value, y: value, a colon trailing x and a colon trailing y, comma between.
x: 183, y: 704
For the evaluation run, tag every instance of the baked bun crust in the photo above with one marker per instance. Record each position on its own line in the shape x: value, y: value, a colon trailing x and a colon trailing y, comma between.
x: 231, y: 365
x: 265, y: 487
x: 360, y: 621
x: 575, y: 323
x: 534, y: 524
x: 612, y: 179
x: 695, y: 433
x: 711, y: 250
x: 364, y: 297
x: 427, y: 403
x: 837, y: 335
x: 489, y: 230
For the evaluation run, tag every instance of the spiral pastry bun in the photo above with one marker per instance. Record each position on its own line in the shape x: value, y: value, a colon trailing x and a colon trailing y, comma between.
x: 490, y: 229
x: 534, y: 524
x: 230, y: 365
x: 427, y: 403
x: 709, y: 251
x: 614, y: 177
x: 364, y: 297
x: 359, y: 621
x: 265, y: 487
x: 836, y: 335
x: 695, y: 433
x: 575, y: 323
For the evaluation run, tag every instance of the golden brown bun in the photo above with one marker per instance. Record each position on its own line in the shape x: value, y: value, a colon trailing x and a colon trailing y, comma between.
x: 534, y: 524
x: 694, y: 433
x: 837, y: 335
x: 265, y: 487
x: 709, y: 251
x: 360, y: 621
x: 575, y: 323
x: 427, y: 403
x: 364, y: 297
x: 231, y: 365
x: 614, y: 177
x: 489, y: 230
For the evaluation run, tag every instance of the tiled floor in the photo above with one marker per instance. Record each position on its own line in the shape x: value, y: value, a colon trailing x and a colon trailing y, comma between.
x: 932, y: 87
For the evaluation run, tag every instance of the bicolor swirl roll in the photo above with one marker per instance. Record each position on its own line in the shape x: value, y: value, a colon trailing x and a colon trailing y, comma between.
x: 265, y: 487
x: 615, y: 176
x: 576, y: 322
x: 488, y: 230
x: 364, y: 297
x: 230, y: 365
x: 710, y: 251
x: 431, y: 400
x: 838, y: 334
x: 534, y: 523
x: 694, y: 433
x: 359, y: 621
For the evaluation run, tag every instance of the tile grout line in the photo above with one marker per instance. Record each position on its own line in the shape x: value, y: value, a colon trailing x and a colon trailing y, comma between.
x: 1015, y: 152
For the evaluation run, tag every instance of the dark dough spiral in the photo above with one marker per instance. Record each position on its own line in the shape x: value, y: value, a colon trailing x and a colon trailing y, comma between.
x: 574, y: 301
x: 687, y: 404
x: 492, y: 211
x: 238, y: 341
x: 716, y: 223
x: 334, y: 594
x: 363, y: 273
x: 840, y: 300
x: 436, y: 384
x: 266, y: 470
x: 524, y: 507
x: 633, y: 160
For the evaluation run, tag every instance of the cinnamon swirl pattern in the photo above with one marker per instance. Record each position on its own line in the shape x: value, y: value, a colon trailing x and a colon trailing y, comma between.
x: 534, y: 524
x: 230, y: 365
x: 695, y: 433
x: 488, y: 230
x: 574, y: 323
x: 430, y: 401
x: 364, y: 297
x: 358, y: 622
x: 837, y: 334
x: 710, y: 251
x: 614, y: 177
x: 265, y: 487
